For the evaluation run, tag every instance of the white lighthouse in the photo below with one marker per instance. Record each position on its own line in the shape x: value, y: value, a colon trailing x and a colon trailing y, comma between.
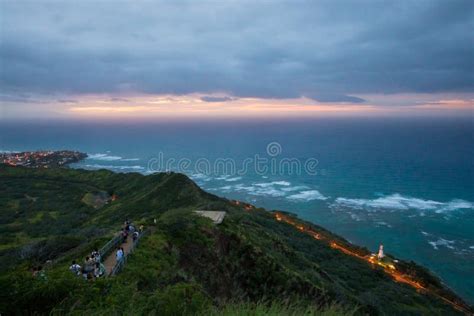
x: 380, y: 255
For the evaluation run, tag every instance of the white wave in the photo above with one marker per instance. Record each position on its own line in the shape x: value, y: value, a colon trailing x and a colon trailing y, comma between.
x: 253, y: 190
x: 355, y: 217
x: 111, y: 167
x: 456, y: 205
x: 400, y: 202
x: 259, y: 190
x: 223, y: 177
x: 273, y: 189
x: 295, y: 188
x: 283, y: 183
x: 309, y: 195
x: 267, y: 191
x: 130, y: 159
x: 270, y: 184
x: 442, y: 243
x: 200, y: 177
x: 103, y: 157
x: 107, y: 157
x: 381, y: 223
x: 2, y: 151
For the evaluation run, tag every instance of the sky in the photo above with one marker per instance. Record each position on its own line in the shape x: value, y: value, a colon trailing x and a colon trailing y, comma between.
x: 131, y: 59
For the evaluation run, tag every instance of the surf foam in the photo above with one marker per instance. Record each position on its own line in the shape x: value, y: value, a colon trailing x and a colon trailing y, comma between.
x: 399, y: 202
x: 309, y: 195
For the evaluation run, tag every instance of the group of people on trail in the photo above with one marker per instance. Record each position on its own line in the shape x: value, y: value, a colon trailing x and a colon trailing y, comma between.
x: 128, y: 229
x: 92, y: 267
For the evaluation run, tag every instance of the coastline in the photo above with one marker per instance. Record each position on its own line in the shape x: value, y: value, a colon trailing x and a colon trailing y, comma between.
x: 400, y: 271
x: 82, y: 156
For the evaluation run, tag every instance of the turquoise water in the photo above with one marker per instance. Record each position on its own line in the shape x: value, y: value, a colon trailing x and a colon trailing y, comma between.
x: 406, y: 183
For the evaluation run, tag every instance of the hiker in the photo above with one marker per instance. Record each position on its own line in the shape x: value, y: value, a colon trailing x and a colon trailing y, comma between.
x: 126, y: 224
x: 131, y: 228
x: 141, y: 228
x: 135, y: 236
x: 95, y: 255
x: 119, y: 254
x: 124, y: 236
x: 75, y: 268
x: 88, y: 268
x: 99, y: 269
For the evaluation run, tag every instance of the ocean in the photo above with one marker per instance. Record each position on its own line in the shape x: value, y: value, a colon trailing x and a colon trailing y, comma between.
x: 406, y: 183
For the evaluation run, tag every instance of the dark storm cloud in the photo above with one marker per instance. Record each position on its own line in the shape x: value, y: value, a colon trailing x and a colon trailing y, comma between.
x: 325, y: 50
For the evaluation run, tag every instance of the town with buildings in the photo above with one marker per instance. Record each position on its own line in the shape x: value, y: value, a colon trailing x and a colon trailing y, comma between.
x: 41, y: 159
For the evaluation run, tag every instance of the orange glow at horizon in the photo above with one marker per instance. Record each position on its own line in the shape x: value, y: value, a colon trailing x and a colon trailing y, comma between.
x: 192, y: 105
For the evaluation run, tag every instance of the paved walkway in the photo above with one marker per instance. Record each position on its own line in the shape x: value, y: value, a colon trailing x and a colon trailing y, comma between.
x: 111, y: 260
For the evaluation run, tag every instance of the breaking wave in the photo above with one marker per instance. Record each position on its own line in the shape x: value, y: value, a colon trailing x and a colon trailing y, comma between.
x: 107, y: 157
x: 295, y: 188
x: 200, y: 177
x: 441, y: 242
x: 399, y: 202
x: 258, y: 189
x: 309, y: 195
x: 103, y: 157
x: 228, y: 179
x: 274, y: 189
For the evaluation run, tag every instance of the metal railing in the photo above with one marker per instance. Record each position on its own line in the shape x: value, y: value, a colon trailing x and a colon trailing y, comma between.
x: 119, y: 265
x: 110, y: 245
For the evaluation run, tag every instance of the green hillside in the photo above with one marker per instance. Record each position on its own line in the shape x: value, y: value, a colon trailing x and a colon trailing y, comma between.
x: 251, y: 264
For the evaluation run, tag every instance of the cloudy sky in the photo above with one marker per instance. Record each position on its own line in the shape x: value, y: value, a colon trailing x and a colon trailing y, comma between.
x: 235, y: 58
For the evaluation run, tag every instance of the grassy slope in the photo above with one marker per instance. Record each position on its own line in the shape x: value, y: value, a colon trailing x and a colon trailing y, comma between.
x: 187, y: 264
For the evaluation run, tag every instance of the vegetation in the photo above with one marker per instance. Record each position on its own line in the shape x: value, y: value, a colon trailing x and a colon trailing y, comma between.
x: 250, y: 264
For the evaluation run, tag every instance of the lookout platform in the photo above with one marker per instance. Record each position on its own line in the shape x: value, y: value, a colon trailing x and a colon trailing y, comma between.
x: 216, y: 216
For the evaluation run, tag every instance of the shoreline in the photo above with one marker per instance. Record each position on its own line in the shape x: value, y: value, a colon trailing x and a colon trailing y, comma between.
x: 84, y: 156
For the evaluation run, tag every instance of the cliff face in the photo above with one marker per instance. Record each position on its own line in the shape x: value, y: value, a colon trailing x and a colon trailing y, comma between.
x: 188, y: 264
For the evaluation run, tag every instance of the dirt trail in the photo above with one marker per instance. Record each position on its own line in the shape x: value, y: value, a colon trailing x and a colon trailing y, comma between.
x: 110, y: 261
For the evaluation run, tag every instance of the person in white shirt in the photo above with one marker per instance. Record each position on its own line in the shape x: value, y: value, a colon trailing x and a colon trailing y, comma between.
x: 96, y: 255
x: 119, y: 254
x: 75, y: 268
